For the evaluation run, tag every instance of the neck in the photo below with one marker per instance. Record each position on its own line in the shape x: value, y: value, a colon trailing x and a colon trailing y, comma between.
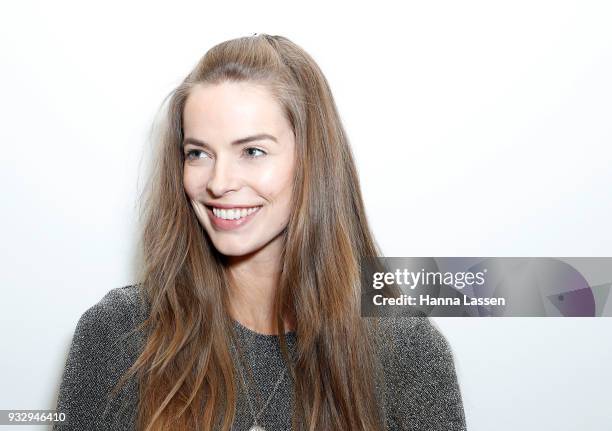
x: 254, y: 280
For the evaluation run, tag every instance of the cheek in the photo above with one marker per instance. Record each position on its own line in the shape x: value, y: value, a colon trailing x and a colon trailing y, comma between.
x: 191, y: 182
x: 277, y: 180
x: 188, y: 187
x: 275, y: 184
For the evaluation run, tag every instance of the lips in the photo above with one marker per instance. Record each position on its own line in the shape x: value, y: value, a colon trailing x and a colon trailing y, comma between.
x: 223, y: 224
x: 233, y: 214
x: 229, y: 206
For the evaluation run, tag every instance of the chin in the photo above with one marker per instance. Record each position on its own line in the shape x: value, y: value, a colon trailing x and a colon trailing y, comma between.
x: 233, y: 249
x: 232, y: 252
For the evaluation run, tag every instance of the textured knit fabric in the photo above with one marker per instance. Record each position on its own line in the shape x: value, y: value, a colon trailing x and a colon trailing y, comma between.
x: 420, y: 390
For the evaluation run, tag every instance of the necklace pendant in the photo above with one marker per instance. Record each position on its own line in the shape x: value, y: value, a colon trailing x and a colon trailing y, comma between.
x: 257, y: 428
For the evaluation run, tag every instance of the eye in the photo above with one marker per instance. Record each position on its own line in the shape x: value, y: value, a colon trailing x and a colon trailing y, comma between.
x: 192, y: 152
x: 250, y: 152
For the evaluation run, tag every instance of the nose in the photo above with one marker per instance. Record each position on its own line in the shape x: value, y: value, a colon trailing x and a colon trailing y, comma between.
x: 223, y: 177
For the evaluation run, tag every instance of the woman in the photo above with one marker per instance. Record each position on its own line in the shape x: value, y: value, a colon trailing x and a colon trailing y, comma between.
x: 247, y: 315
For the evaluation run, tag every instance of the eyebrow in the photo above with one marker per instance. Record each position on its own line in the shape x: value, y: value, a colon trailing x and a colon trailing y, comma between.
x: 240, y: 141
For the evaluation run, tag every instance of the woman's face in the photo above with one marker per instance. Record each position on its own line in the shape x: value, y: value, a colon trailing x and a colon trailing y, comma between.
x: 239, y: 150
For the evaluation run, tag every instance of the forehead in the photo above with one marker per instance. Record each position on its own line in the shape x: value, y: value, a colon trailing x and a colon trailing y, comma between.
x: 231, y: 108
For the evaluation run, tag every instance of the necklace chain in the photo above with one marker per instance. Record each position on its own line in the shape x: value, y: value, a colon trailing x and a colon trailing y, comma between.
x: 246, y: 389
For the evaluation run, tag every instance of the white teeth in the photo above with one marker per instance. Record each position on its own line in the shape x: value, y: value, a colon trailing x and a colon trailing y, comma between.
x: 233, y: 214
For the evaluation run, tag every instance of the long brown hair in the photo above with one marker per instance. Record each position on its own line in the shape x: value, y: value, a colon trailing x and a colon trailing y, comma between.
x: 186, y: 373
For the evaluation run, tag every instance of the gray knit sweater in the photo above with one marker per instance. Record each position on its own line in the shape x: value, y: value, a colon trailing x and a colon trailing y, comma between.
x: 420, y: 391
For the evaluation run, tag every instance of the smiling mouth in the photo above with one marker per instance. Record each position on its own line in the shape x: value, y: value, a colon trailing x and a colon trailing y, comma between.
x: 232, y: 214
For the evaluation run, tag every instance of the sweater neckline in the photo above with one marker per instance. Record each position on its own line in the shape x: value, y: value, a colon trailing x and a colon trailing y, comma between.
x: 270, y: 337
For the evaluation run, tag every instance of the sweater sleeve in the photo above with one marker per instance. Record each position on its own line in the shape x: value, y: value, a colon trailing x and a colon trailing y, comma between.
x: 102, y: 349
x: 423, y: 389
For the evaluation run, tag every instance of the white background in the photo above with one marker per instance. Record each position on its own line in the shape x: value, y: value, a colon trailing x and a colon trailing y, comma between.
x: 480, y: 128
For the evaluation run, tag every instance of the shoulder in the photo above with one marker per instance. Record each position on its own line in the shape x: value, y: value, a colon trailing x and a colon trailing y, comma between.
x: 109, y: 325
x: 415, y: 337
x: 119, y: 309
x: 106, y: 342
x: 419, y: 369
x: 117, y: 312
x: 120, y: 299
